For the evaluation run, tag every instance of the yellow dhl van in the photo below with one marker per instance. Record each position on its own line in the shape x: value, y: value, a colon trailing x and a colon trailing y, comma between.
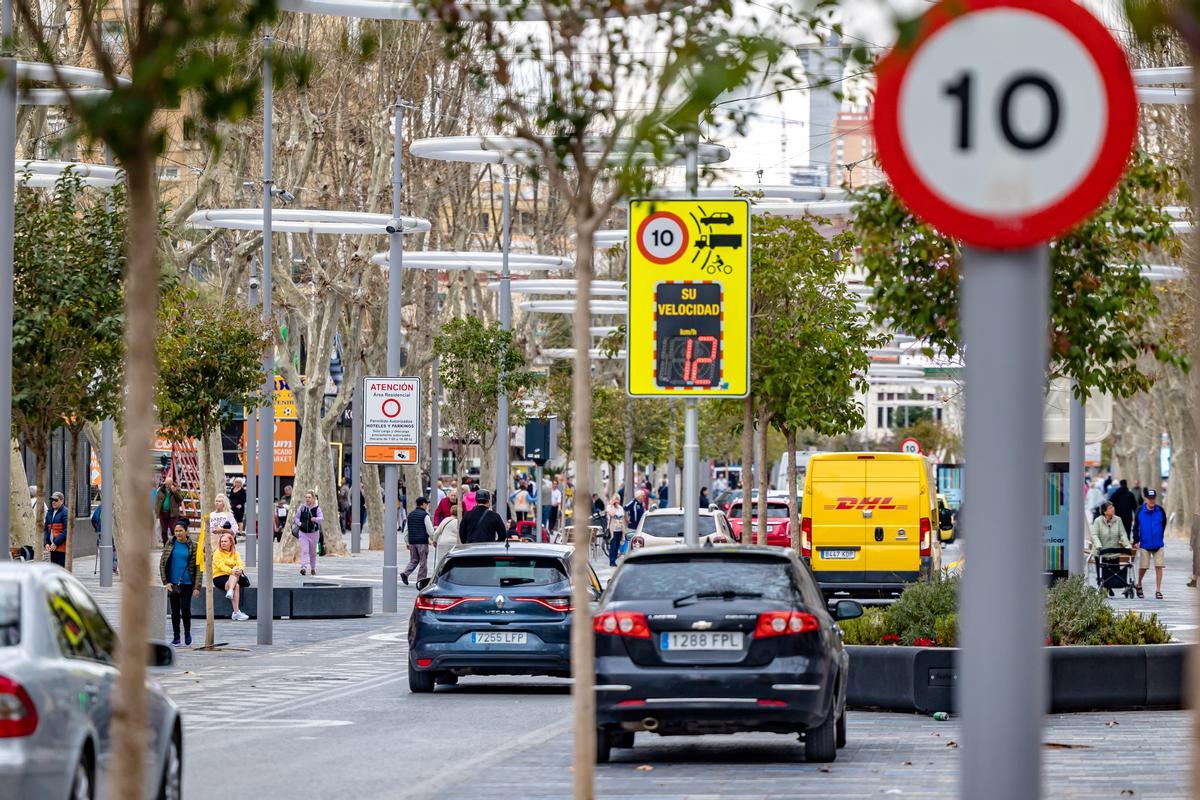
x: 868, y: 518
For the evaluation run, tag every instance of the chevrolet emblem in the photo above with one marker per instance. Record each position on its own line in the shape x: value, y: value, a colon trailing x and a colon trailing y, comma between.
x: 701, y: 625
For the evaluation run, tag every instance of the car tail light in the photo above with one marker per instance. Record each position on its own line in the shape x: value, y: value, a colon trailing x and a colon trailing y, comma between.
x: 553, y: 603
x: 771, y: 703
x: 784, y: 623
x: 18, y: 715
x: 436, y: 603
x: 926, y: 537
x: 806, y: 537
x: 622, y: 623
x: 629, y: 703
x: 424, y: 662
x: 636, y: 543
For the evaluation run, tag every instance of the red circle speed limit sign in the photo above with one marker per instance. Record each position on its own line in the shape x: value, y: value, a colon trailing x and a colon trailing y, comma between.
x: 1005, y: 122
x: 911, y: 446
x: 662, y: 237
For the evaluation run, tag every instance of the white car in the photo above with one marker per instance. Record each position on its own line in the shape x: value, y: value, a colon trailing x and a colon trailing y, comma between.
x: 664, y: 527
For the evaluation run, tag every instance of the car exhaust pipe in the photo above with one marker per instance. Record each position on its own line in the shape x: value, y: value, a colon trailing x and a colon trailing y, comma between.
x: 650, y: 724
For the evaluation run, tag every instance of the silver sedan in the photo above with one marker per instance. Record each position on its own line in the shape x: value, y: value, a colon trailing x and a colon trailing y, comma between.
x: 57, y: 679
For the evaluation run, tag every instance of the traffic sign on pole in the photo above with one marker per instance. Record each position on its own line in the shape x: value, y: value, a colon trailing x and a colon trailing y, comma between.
x: 391, y: 425
x: 1004, y: 123
x: 911, y: 446
x: 689, y: 298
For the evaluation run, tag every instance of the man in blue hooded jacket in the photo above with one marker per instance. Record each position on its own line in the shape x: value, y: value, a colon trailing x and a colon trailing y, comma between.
x: 54, y: 530
x: 1149, y: 531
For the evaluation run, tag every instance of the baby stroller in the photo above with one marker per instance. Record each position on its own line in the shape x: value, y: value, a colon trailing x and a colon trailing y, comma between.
x: 1114, y: 570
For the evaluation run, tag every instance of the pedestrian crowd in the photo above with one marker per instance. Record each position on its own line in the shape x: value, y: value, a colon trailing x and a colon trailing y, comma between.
x: 1131, y: 520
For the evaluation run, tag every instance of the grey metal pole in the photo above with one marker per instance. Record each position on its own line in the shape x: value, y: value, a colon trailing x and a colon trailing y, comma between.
x: 690, y: 501
x: 1002, y: 684
x: 266, y: 436
x: 395, y: 267
x: 537, y: 502
x: 8, y: 167
x: 435, y: 394
x: 250, y: 514
x: 502, y: 480
x: 1076, y: 514
x: 356, y: 465
x: 109, y: 481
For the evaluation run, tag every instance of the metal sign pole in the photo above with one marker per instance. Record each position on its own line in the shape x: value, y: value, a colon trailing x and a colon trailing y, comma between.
x: 8, y: 155
x: 690, y: 502
x: 435, y: 393
x: 266, y: 434
x: 250, y: 514
x: 109, y: 481
x: 1002, y: 674
x: 503, y: 484
x: 1076, y: 514
x: 356, y: 465
x: 395, y: 269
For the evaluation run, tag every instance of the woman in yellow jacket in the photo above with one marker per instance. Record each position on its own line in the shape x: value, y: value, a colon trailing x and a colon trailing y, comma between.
x: 228, y: 572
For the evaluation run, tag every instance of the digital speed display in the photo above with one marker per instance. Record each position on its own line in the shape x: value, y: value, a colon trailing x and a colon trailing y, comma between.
x: 687, y: 334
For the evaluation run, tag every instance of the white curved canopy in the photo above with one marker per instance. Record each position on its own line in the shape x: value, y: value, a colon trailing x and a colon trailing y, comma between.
x: 91, y: 84
x: 45, y: 174
x: 410, y: 11
x: 304, y: 220
x: 562, y: 286
x: 605, y: 307
x: 595, y: 354
x: 518, y: 263
x: 514, y: 150
x: 1158, y: 76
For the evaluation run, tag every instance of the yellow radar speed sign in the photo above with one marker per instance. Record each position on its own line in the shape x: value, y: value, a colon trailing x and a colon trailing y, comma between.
x: 689, y: 298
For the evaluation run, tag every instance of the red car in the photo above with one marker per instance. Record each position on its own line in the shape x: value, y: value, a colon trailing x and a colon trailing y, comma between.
x: 778, y: 525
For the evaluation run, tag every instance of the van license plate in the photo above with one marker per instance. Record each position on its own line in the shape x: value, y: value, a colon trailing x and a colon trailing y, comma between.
x: 701, y: 640
x: 499, y: 637
x: 838, y: 555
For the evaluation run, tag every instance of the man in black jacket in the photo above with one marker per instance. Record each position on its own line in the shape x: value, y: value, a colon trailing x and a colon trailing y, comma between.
x: 481, y: 524
x: 420, y: 529
x: 1125, y: 503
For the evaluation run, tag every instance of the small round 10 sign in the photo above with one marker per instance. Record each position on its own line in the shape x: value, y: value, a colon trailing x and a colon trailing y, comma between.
x: 1004, y: 123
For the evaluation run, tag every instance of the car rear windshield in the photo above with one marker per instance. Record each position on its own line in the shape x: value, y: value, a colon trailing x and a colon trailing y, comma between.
x: 10, y: 613
x: 672, y: 525
x: 504, y: 571
x: 670, y: 579
x: 773, y: 511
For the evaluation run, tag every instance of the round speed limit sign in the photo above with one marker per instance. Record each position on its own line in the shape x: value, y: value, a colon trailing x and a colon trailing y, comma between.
x: 662, y: 237
x: 911, y: 446
x: 1005, y: 122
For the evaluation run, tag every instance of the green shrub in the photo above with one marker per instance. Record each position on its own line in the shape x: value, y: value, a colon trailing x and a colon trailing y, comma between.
x: 915, y: 614
x: 1132, y: 628
x: 1077, y: 613
x: 946, y: 629
x: 870, y: 628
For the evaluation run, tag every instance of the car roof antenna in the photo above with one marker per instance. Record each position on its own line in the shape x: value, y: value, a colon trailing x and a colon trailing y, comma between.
x: 708, y: 543
x: 507, y: 544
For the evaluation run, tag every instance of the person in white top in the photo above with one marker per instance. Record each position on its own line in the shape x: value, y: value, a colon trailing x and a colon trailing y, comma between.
x: 555, y: 504
x: 221, y: 517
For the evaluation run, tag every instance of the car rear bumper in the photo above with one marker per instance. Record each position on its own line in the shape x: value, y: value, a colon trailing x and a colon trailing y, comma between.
x: 789, y: 695
x: 22, y: 778
x: 544, y: 659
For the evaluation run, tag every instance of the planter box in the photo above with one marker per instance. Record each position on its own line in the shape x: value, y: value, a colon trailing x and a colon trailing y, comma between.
x: 1108, y: 678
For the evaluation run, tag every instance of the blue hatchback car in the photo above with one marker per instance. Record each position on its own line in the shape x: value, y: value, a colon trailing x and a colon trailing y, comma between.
x: 493, y: 609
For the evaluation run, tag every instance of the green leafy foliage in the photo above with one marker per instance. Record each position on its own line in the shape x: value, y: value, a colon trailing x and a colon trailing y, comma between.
x: 809, y: 346
x: 68, y: 305
x: 477, y: 360
x: 1101, y: 305
x: 209, y: 362
x: 1076, y: 614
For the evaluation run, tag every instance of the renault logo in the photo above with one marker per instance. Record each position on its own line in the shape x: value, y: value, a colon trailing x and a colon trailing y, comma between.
x: 500, y: 600
x: 701, y: 625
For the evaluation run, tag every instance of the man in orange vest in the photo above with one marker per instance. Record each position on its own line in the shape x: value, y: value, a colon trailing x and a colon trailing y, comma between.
x: 54, y: 530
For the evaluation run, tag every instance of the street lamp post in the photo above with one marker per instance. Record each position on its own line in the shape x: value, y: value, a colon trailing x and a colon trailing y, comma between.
x: 266, y: 471
x: 395, y: 271
x: 502, y: 480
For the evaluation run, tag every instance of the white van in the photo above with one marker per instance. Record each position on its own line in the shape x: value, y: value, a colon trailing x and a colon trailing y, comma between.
x: 779, y: 476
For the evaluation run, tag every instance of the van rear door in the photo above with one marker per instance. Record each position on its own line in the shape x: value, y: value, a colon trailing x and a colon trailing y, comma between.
x: 892, y: 518
x: 838, y: 536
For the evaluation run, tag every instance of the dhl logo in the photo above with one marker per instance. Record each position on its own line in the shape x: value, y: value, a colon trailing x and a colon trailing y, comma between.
x: 862, y: 503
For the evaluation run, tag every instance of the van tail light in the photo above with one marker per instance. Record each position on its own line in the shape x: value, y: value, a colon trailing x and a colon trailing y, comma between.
x: 622, y: 623
x: 553, y: 603
x: 926, y: 537
x: 784, y: 623
x: 806, y: 537
x: 436, y: 603
x: 18, y: 715
x: 636, y: 543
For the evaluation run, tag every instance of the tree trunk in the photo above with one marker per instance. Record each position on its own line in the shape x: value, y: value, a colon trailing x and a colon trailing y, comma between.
x: 208, y: 495
x: 39, y: 449
x: 69, y: 503
x: 141, y: 315
x: 583, y: 652
x: 373, y: 491
x: 1194, y: 385
x: 112, y: 484
x: 747, y: 468
x: 763, y: 470
x: 22, y: 525
x: 793, y: 500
